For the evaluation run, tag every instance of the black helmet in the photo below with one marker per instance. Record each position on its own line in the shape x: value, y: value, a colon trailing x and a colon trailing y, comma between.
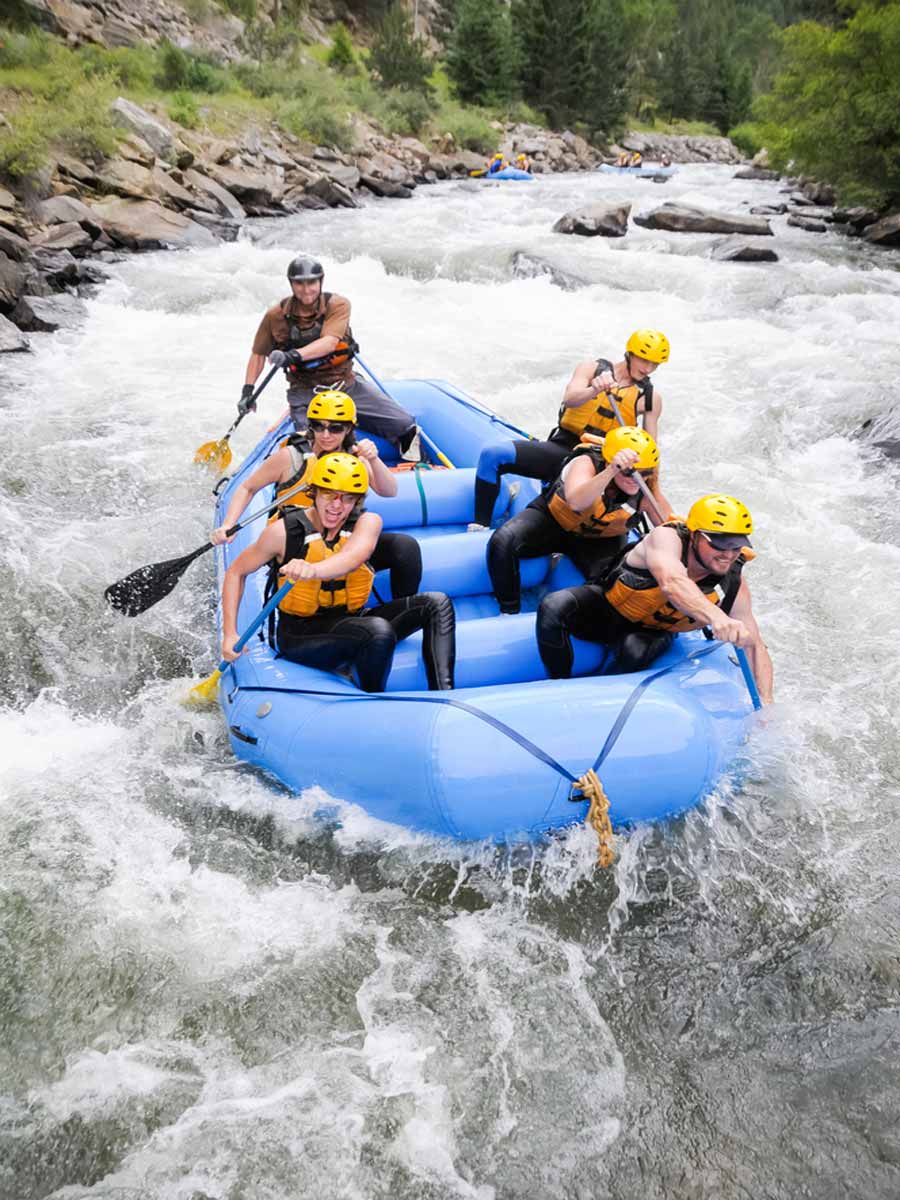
x: 303, y: 268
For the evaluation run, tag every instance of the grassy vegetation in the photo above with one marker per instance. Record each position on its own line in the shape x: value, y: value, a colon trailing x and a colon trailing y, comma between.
x: 57, y: 98
x: 674, y: 128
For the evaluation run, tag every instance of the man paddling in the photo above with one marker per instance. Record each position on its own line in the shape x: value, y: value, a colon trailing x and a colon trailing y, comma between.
x: 312, y: 324
x: 669, y: 583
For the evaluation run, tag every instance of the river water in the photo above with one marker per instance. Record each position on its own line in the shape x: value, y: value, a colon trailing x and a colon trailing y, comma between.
x: 207, y: 993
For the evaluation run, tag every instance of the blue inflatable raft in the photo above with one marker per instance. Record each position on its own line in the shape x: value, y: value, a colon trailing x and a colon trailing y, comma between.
x: 497, y: 757
x: 510, y: 173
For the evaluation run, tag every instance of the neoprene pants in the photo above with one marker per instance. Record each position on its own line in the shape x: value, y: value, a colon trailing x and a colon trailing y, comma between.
x: 534, y: 460
x: 366, y: 641
x: 376, y: 412
x: 534, y: 532
x: 584, y: 612
x: 402, y: 555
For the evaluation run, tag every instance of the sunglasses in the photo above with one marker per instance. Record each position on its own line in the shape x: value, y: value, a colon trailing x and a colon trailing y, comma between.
x: 716, y: 546
x: 329, y: 426
x: 634, y: 471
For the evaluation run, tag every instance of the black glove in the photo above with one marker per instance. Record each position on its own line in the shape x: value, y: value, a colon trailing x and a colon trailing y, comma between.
x: 293, y: 358
x: 246, y: 403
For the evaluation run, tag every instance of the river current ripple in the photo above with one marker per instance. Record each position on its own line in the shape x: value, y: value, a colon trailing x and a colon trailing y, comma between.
x: 207, y: 993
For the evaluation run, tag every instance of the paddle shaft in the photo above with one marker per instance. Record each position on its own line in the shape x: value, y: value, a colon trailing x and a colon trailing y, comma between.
x: 307, y: 366
x: 422, y: 434
x: 255, y: 623
x: 743, y: 661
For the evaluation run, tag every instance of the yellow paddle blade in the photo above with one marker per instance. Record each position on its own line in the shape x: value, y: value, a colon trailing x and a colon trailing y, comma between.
x: 216, y: 455
x: 204, y: 693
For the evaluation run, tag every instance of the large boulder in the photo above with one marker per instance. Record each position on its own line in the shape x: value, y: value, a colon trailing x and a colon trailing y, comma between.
x: 227, y: 204
x: 333, y: 193
x: 346, y: 176
x: 259, y: 188
x: 685, y: 218
x: 12, y: 245
x: 737, y: 249
x: 857, y: 218
x: 885, y: 232
x: 58, y: 267
x: 12, y: 277
x: 65, y: 210
x: 807, y: 224
x: 755, y: 173
x: 530, y: 266
x: 12, y: 339
x: 146, y: 225
x: 769, y: 210
x: 7, y: 199
x: 68, y: 236
x: 385, y: 187
x: 127, y: 178
x: 596, y: 220
x: 49, y: 313
x: 138, y: 120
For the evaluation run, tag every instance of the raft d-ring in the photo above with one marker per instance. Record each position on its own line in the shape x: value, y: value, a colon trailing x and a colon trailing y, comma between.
x: 589, y: 787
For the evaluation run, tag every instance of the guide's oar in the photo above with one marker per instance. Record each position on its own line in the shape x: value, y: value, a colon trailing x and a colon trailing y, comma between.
x: 218, y: 454
x: 148, y: 585
x: 439, y: 454
x: 204, y: 693
x: 740, y: 654
x: 441, y: 457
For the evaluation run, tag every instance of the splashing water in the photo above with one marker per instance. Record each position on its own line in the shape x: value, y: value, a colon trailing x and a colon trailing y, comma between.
x: 206, y: 992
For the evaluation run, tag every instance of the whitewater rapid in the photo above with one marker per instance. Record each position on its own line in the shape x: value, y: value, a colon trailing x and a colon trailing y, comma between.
x: 206, y: 991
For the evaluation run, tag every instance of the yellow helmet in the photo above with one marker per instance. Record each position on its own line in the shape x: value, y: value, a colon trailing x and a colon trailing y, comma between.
x: 629, y: 437
x: 332, y: 405
x: 649, y: 344
x: 723, y: 518
x: 341, y: 473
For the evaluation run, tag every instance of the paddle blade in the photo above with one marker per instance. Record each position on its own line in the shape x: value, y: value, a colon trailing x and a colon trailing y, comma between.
x: 215, y: 455
x: 148, y: 585
x: 204, y: 693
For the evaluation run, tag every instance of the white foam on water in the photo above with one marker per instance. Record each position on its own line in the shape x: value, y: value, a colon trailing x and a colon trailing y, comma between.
x: 351, y: 1011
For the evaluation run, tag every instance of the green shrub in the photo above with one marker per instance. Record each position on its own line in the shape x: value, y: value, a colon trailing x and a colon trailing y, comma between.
x: 245, y: 9
x: 31, y: 49
x: 179, y: 70
x: 747, y: 137
x: 72, y: 115
x: 469, y: 127
x: 132, y: 67
x: 183, y: 109
x: 405, y: 113
x: 308, y: 118
x: 266, y: 79
x: 341, y: 55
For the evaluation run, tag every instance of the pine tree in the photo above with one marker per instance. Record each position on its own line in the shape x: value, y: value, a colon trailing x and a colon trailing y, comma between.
x: 399, y: 57
x: 482, y: 56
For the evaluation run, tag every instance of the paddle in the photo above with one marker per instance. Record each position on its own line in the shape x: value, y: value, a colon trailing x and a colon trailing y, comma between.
x: 148, y: 585
x: 218, y: 454
x: 422, y: 434
x: 740, y: 654
x: 204, y: 693
x: 441, y: 457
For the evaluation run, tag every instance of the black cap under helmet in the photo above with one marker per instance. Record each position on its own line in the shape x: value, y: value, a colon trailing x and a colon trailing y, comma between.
x: 305, y: 268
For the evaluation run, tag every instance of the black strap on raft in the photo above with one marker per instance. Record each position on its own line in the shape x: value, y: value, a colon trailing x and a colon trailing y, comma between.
x: 519, y: 738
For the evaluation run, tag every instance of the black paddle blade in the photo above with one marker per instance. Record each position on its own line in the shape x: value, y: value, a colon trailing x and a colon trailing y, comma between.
x: 148, y: 585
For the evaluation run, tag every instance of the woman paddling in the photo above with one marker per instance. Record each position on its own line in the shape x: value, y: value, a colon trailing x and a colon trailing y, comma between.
x: 331, y: 427
x: 322, y: 622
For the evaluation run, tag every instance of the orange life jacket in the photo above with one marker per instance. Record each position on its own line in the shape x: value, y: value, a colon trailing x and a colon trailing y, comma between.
x: 596, y: 415
x: 635, y: 594
x: 607, y: 518
x: 312, y: 596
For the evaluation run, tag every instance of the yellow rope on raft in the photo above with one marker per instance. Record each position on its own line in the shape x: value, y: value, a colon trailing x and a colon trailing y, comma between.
x: 591, y: 788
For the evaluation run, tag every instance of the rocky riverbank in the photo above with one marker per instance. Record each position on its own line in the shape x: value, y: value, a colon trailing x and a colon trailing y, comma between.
x: 171, y: 188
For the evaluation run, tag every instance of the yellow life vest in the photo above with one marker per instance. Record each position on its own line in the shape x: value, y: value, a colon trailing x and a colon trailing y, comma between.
x: 312, y: 596
x: 607, y: 518
x: 302, y: 461
x: 596, y: 415
x: 634, y: 593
